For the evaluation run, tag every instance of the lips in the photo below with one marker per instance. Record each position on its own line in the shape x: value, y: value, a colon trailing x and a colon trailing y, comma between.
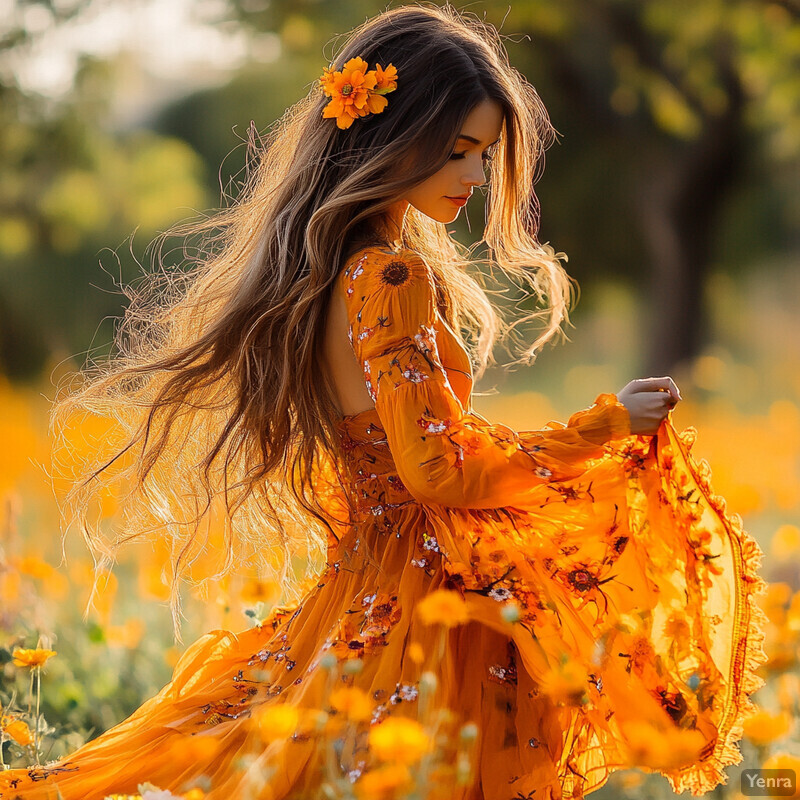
x: 459, y: 201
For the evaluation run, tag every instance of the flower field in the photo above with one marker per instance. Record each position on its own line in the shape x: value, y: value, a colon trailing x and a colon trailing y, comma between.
x: 67, y: 677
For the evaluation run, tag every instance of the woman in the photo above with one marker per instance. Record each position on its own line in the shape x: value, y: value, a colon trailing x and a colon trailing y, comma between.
x: 595, y: 602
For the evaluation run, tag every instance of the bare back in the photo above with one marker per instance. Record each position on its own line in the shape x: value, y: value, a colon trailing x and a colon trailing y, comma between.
x: 340, y: 362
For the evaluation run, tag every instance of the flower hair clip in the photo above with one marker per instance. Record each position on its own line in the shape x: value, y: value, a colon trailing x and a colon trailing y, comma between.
x: 356, y: 91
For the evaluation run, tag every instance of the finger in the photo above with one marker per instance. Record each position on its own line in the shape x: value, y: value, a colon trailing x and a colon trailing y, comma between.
x: 674, y: 390
x: 665, y: 384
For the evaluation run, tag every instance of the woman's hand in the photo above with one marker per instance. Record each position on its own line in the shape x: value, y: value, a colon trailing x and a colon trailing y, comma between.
x: 648, y: 401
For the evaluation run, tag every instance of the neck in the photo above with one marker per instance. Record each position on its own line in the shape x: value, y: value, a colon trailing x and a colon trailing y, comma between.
x: 394, y: 221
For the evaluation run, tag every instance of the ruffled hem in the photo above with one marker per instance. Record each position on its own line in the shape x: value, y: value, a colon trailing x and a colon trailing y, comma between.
x: 749, y: 628
x: 607, y: 420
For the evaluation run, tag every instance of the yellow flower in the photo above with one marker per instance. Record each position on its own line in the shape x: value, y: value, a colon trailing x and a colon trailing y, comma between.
x: 128, y: 635
x: 399, y: 739
x: 388, y: 779
x: 671, y: 749
x: 763, y: 727
x: 416, y: 653
x: 31, y: 658
x: 793, y: 613
x: 774, y: 602
x: 785, y: 543
x: 788, y: 762
x: 277, y: 722
x: 353, y: 702
x: 443, y: 607
x: 18, y: 731
x: 566, y: 683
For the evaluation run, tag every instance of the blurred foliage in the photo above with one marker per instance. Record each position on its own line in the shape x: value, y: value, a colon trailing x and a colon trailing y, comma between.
x: 680, y: 135
x: 69, y: 188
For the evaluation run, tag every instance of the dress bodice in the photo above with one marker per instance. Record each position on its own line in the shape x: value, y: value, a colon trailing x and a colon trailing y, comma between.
x: 369, y: 466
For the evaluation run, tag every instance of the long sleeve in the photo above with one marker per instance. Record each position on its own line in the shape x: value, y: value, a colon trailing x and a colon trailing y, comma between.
x: 446, y: 453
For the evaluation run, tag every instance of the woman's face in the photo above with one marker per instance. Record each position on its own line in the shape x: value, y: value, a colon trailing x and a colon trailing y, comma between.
x: 443, y: 195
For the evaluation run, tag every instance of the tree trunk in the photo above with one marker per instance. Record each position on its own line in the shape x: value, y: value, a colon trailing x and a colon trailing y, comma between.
x: 679, y: 205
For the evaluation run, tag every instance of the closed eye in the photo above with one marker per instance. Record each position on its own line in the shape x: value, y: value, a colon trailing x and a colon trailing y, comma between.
x: 485, y: 156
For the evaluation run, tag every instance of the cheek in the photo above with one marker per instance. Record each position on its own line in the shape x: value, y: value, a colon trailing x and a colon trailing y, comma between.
x: 424, y: 193
x: 437, y: 186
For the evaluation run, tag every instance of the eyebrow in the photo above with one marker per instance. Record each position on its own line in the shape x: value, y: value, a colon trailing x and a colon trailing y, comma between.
x: 476, y: 141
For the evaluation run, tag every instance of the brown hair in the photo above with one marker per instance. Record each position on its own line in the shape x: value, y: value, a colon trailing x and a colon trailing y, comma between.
x: 216, y: 384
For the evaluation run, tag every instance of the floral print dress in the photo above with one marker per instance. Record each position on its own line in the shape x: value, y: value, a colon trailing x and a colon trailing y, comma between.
x: 634, y: 638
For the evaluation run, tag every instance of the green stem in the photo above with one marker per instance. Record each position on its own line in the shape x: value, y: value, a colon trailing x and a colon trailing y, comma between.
x: 36, y: 729
x: 30, y: 694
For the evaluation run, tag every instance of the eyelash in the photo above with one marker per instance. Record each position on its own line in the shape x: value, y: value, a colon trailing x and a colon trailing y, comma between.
x: 486, y: 156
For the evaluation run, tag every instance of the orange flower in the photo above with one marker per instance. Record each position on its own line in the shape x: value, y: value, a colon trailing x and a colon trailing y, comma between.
x: 277, y: 722
x: 31, y: 658
x: 399, y: 740
x: 356, y: 91
x: 18, y: 731
x: 387, y: 78
x: 566, y: 683
x: 416, y: 653
x: 260, y: 591
x: 669, y: 749
x: 384, y: 781
x: 353, y: 702
x: 763, y: 727
x: 785, y: 761
x: 443, y: 607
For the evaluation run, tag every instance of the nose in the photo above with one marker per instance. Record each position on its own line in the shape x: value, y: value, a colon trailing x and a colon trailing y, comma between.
x: 475, y: 175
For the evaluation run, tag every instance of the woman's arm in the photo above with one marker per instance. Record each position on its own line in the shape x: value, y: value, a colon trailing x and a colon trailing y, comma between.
x: 444, y: 453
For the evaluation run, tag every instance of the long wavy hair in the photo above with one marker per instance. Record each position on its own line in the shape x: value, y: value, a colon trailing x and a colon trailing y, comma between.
x: 224, y: 419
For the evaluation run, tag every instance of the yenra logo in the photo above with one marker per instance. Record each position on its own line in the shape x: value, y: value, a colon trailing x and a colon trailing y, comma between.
x: 768, y: 782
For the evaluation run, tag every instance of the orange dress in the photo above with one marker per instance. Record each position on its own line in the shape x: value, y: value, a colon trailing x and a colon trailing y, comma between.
x: 637, y: 636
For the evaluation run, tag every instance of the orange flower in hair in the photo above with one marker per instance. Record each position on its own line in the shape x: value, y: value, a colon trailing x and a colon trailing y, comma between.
x: 356, y: 91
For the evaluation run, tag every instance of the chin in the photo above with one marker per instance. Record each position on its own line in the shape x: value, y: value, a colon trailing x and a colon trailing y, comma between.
x: 439, y: 214
x: 445, y: 217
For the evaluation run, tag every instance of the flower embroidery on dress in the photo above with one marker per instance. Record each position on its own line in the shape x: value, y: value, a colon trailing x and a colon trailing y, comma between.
x: 403, y: 693
x: 359, y: 268
x: 548, y: 567
x: 412, y: 373
x: 432, y: 425
x: 505, y: 675
x: 426, y: 340
x: 500, y: 594
x: 429, y: 542
x: 368, y: 381
x: 395, y: 273
x: 378, y: 713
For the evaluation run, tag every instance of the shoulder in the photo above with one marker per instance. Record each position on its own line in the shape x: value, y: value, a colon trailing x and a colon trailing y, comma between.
x: 380, y: 267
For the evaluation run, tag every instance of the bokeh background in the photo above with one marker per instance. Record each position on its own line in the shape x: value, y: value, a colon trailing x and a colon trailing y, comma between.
x: 673, y: 188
